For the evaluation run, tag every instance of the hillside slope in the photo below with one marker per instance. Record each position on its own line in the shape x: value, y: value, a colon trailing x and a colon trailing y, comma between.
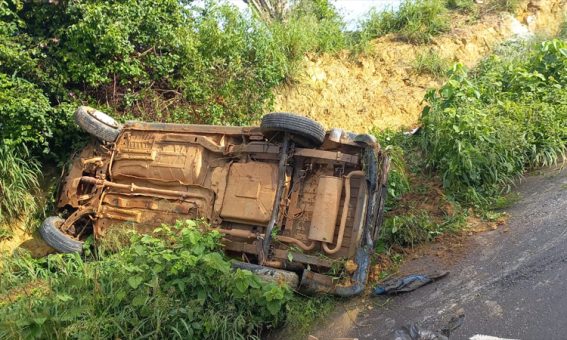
x: 382, y: 89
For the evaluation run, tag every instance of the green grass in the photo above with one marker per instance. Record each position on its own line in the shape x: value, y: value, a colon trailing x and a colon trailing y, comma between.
x: 465, y: 6
x: 303, y: 312
x: 19, y: 185
x: 431, y: 63
x: 418, y: 225
x: 416, y: 21
x: 502, y: 6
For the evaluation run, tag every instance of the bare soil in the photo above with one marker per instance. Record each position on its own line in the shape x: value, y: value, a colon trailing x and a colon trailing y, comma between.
x: 23, y: 239
x: 380, y: 89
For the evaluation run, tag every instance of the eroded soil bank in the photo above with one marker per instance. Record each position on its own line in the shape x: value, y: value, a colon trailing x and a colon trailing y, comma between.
x: 382, y: 89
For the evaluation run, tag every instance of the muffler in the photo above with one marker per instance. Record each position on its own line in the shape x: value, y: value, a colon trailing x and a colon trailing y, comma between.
x: 326, y: 209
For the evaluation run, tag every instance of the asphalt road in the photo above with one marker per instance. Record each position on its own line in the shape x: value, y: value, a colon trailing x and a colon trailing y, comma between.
x: 510, y: 284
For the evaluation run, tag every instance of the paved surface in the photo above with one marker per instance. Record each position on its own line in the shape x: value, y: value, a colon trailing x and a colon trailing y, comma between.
x: 510, y: 284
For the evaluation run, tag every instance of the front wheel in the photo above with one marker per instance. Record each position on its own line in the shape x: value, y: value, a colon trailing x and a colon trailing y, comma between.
x: 52, y: 235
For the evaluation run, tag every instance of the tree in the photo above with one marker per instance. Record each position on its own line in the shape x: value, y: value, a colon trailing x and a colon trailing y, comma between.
x: 269, y: 10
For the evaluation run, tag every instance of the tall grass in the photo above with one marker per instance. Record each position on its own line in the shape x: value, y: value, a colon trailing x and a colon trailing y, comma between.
x: 19, y: 184
x: 415, y: 21
x: 310, y: 27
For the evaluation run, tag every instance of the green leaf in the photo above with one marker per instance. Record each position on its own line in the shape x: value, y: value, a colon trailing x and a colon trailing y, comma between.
x: 39, y: 320
x: 216, y: 261
x: 241, y: 285
x: 135, y: 281
x: 64, y: 297
x: 274, y: 307
x: 139, y: 300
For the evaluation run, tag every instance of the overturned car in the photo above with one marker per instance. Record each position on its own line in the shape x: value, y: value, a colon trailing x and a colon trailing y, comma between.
x: 291, y: 199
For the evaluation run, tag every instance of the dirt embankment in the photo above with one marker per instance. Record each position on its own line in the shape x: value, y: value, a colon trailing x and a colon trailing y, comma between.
x: 22, y: 238
x: 381, y: 89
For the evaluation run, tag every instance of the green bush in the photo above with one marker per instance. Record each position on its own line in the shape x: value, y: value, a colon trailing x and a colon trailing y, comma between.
x: 482, y: 131
x: 168, y: 61
x: 416, y: 21
x: 176, y: 286
x: 24, y: 117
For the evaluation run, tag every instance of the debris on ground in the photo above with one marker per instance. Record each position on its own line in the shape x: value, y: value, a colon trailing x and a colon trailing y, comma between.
x: 455, y: 322
x: 407, y: 283
x: 414, y: 332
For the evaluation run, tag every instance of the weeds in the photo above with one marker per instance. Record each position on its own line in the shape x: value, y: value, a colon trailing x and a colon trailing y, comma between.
x: 303, y: 312
x: 420, y: 224
x: 502, y: 6
x: 415, y: 21
x: 431, y: 63
x: 19, y: 185
x: 482, y: 131
x: 176, y: 286
x: 465, y: 6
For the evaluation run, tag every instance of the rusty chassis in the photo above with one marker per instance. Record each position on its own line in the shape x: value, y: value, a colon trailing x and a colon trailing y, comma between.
x: 245, y: 185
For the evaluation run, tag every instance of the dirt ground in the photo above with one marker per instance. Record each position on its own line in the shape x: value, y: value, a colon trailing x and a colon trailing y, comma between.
x: 380, y: 89
x: 23, y: 239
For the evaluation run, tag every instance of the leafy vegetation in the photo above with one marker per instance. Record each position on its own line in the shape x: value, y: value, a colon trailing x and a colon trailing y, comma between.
x: 304, y: 311
x: 419, y: 226
x: 174, y: 61
x: 177, y: 285
x: 482, y: 131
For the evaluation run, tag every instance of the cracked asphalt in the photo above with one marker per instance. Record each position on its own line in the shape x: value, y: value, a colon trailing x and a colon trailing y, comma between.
x: 511, y: 283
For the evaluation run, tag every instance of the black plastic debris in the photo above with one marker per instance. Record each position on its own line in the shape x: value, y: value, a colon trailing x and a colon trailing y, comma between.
x: 407, y: 283
x: 414, y: 332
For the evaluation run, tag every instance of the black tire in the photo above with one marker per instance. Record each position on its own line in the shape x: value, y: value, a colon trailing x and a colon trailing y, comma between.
x: 304, y: 131
x: 97, y: 123
x: 49, y: 231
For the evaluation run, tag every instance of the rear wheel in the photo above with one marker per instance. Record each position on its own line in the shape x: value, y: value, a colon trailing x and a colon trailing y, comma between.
x: 97, y: 123
x: 304, y: 131
x: 52, y: 235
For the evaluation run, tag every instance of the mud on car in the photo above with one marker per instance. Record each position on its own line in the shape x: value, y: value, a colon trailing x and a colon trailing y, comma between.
x: 290, y: 198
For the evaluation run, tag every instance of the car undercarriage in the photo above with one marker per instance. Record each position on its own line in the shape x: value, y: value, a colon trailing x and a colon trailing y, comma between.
x: 290, y: 199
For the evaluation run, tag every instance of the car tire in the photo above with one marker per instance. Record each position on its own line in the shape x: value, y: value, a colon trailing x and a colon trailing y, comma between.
x: 304, y: 131
x: 53, y: 236
x: 97, y: 123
